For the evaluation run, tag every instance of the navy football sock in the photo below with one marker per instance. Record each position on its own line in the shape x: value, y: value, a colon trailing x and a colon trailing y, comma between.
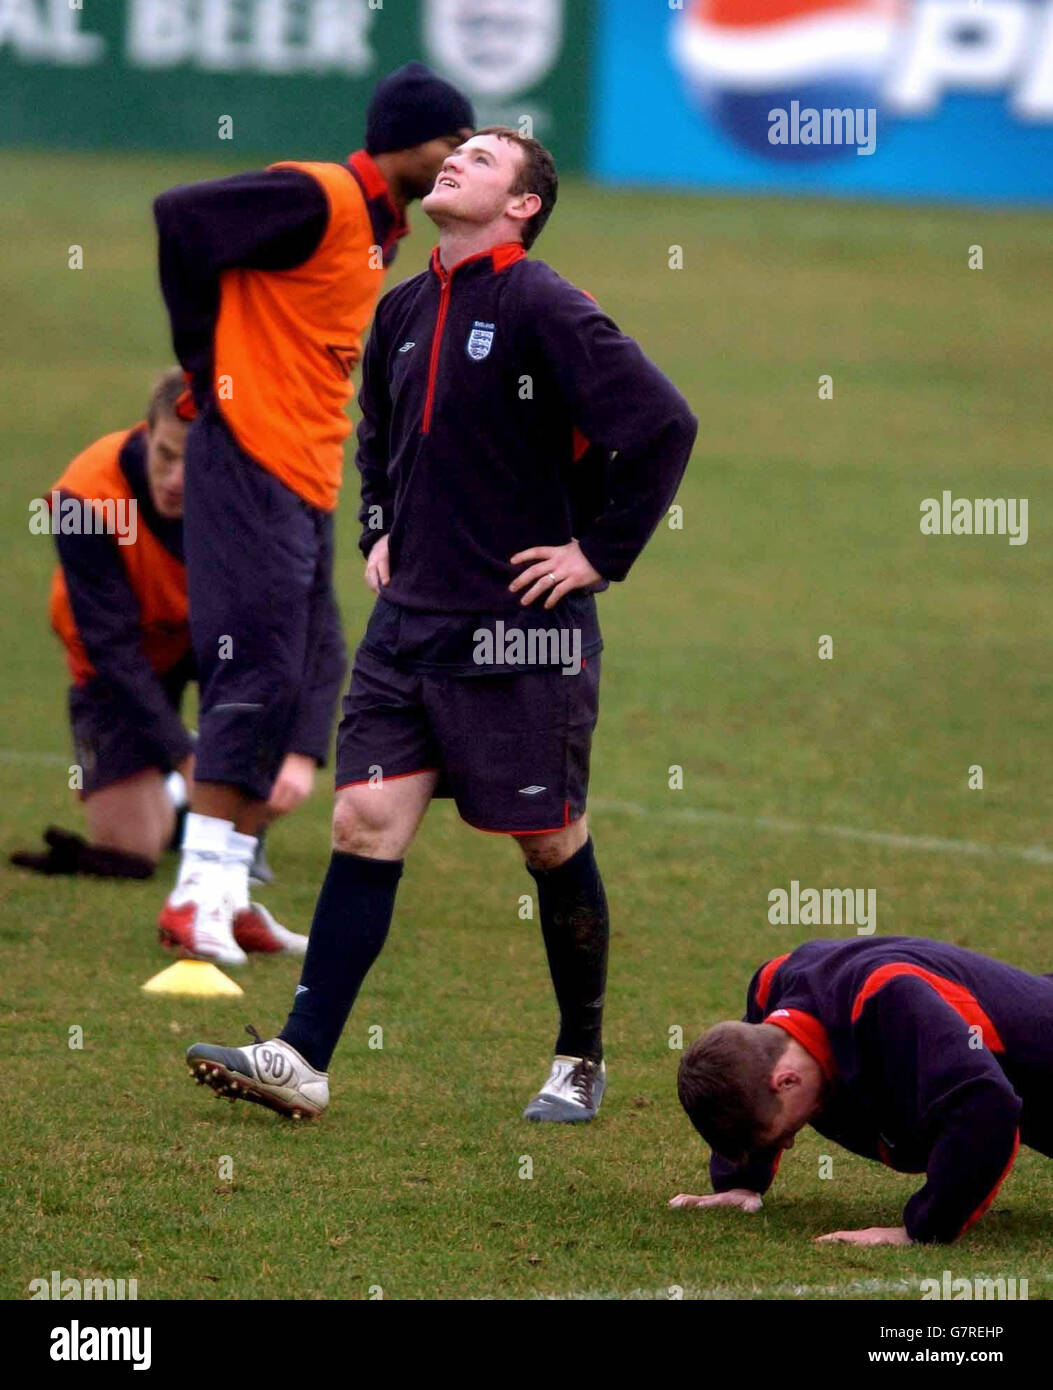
x: 576, y: 930
x: 350, y: 926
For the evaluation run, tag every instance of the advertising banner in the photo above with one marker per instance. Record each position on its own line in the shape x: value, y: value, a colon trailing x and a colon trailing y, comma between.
x: 903, y: 98
x: 163, y: 74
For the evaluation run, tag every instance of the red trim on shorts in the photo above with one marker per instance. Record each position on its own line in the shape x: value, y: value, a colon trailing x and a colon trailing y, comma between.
x: 394, y: 777
x: 550, y: 831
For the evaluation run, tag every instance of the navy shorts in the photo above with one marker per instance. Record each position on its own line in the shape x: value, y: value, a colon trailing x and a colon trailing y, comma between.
x: 109, y: 742
x: 512, y: 750
x: 259, y: 564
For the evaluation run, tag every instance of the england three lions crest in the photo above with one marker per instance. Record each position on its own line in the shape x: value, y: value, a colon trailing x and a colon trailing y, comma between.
x: 480, y: 340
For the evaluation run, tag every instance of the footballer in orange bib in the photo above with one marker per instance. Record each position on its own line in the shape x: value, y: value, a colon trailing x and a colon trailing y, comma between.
x: 270, y: 279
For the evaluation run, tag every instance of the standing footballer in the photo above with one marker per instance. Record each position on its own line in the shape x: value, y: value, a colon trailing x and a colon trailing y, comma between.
x: 270, y: 280
x: 517, y: 452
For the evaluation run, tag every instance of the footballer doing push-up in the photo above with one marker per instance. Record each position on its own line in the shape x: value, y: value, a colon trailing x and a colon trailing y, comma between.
x: 926, y: 1057
x: 517, y: 451
x: 270, y: 280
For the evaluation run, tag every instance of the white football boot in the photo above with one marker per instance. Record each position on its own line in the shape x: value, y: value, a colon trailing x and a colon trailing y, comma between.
x: 572, y: 1093
x: 268, y: 1073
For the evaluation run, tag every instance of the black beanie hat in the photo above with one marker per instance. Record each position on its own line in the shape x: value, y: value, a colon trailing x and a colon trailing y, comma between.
x: 413, y: 105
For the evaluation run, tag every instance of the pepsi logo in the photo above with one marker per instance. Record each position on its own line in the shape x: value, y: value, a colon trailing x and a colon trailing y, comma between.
x: 742, y: 60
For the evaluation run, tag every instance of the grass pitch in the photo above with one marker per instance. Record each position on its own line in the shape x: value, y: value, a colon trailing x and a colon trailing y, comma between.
x: 801, y: 519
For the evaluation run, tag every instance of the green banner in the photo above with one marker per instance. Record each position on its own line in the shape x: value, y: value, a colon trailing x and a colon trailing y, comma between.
x: 279, y: 77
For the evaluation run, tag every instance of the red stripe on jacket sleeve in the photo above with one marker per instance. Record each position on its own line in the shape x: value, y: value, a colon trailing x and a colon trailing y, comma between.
x: 766, y: 977
x: 994, y: 1190
x: 964, y: 1003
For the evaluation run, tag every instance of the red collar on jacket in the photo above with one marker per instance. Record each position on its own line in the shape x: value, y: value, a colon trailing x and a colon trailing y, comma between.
x: 810, y: 1033
x: 502, y: 256
x: 375, y: 187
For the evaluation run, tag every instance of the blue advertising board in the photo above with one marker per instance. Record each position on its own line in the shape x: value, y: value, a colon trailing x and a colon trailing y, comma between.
x: 901, y: 98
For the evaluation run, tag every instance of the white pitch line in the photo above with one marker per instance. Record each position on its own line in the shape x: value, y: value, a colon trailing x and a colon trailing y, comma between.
x: 739, y: 1292
x: 18, y: 755
x: 926, y: 844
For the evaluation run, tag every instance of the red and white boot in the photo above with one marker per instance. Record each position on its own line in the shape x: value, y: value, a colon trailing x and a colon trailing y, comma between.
x: 254, y: 927
x: 200, y: 931
x: 256, y: 930
x: 198, y: 916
